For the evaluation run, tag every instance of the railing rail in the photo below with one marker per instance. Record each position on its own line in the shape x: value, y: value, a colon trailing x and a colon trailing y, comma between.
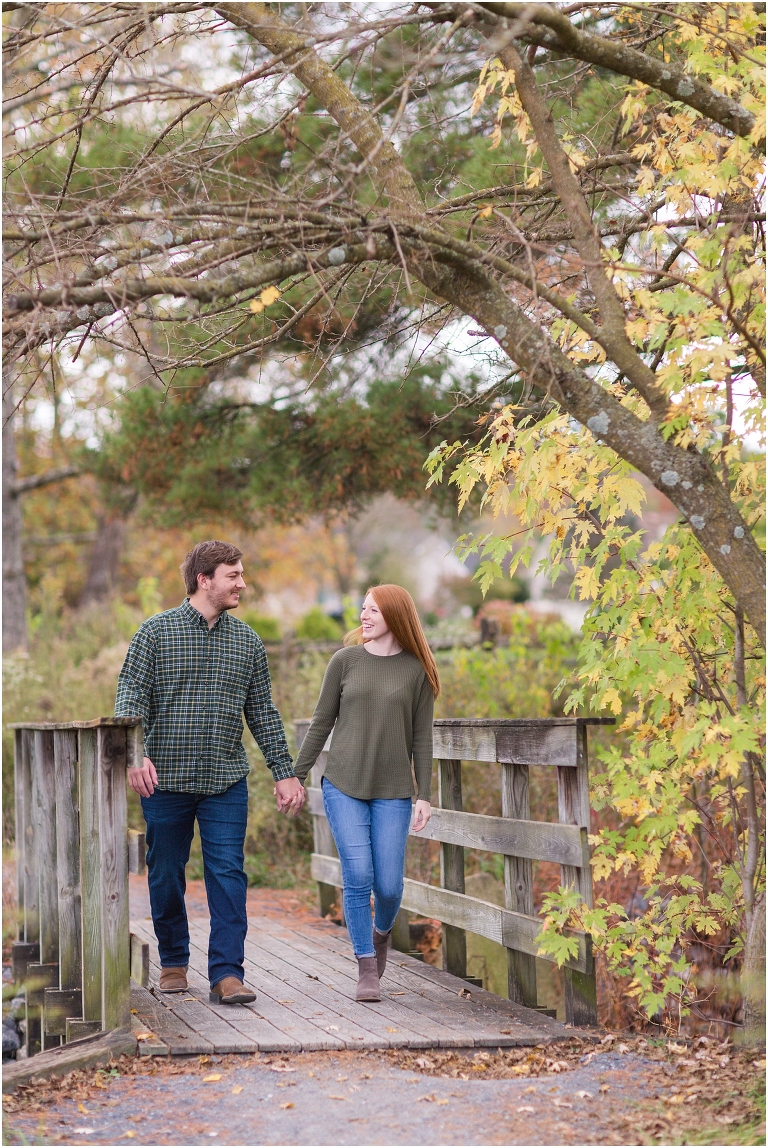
x: 73, y: 953
x: 558, y: 743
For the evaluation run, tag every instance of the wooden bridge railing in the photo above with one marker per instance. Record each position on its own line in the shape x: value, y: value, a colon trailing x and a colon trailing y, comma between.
x: 556, y: 743
x: 73, y: 954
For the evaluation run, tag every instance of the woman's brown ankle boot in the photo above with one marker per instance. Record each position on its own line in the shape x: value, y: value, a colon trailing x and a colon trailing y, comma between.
x: 368, y: 980
x: 380, y: 946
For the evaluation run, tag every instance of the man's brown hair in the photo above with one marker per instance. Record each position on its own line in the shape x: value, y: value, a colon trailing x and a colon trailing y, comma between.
x: 204, y: 558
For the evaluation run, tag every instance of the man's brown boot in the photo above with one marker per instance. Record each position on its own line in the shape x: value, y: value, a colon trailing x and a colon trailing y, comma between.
x: 173, y: 980
x: 380, y: 946
x: 230, y: 990
x: 368, y: 980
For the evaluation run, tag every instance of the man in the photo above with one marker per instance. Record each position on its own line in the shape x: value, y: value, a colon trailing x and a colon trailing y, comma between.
x: 190, y: 674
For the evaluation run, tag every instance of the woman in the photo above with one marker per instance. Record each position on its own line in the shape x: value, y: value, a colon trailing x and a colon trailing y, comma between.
x: 379, y: 691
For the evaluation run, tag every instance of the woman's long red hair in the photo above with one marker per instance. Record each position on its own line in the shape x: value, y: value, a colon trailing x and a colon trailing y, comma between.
x: 399, y: 612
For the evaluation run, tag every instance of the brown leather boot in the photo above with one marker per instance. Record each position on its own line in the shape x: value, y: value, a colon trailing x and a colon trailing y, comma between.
x: 230, y: 990
x: 173, y: 981
x: 380, y: 946
x: 368, y: 980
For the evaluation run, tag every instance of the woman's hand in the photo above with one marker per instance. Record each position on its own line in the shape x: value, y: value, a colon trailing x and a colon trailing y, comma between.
x: 421, y: 815
x: 291, y: 795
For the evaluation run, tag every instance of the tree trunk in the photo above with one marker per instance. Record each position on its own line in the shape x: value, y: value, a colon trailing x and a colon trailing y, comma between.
x: 14, y: 584
x: 753, y: 974
x: 104, y: 562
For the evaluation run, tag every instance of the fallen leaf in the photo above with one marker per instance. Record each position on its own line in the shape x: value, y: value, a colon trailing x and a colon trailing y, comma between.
x: 332, y: 1096
x: 530, y: 1088
x: 604, y: 1088
x: 583, y: 1094
x: 313, y: 978
x: 84, y: 1131
x: 183, y: 999
x: 129, y: 1134
x: 340, y: 1078
x: 678, y: 1098
x: 281, y: 1068
x: 288, y: 1104
x: 81, y: 1108
x: 237, y: 1089
x: 397, y: 994
x: 623, y: 1049
x: 727, y: 1119
x: 286, y: 1002
x: 430, y: 1098
x: 212, y: 1077
x: 393, y: 1030
x: 133, y: 1011
x: 144, y: 1035
x: 525, y: 1108
x: 521, y: 1069
x: 413, y: 1080
x: 443, y: 1102
x: 332, y: 1028
x: 465, y: 993
x: 366, y: 1076
x: 561, y: 1103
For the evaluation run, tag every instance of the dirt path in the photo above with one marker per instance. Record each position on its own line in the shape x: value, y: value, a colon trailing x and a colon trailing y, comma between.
x: 637, y: 1096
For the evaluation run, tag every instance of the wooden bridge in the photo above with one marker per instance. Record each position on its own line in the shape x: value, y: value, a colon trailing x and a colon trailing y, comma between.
x: 87, y: 969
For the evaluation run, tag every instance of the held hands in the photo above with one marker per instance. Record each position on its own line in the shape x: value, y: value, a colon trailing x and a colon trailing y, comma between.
x: 144, y: 780
x: 421, y: 815
x: 290, y: 794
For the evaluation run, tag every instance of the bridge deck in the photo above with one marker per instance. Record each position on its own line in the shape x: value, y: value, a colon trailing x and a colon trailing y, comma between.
x: 305, y: 974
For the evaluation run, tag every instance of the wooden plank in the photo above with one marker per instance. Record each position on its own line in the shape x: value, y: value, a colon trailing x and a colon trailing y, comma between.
x: 76, y: 1029
x: 139, y: 961
x: 240, y: 1017
x: 31, y: 858
x: 295, y: 1021
x: 113, y: 858
x: 20, y: 812
x: 94, y: 723
x: 465, y: 1022
x: 149, y: 1042
x: 580, y: 985
x: 68, y: 859
x: 134, y: 747
x: 518, y: 884
x: 337, y: 993
x: 452, y: 867
x: 44, y: 815
x: 417, y: 1028
x: 61, y: 1061
x: 23, y: 953
x: 207, y: 1023
x: 533, y: 744
x: 180, y: 1038
x: 514, y: 930
x: 90, y: 875
x: 464, y: 742
x: 537, y: 840
x: 327, y: 895
x: 137, y: 852
x: 39, y: 978
x: 58, y: 1006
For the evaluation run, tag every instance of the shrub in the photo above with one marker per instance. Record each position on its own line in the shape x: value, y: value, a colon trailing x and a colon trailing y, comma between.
x: 317, y: 626
x: 267, y: 628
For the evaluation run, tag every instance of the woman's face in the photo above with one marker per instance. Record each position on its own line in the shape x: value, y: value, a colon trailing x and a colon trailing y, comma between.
x: 372, y: 620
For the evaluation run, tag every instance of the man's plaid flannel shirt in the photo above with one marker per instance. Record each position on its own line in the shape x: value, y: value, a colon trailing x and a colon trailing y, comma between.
x: 191, y: 686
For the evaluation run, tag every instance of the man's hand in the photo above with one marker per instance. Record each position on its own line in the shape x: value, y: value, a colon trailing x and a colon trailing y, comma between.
x: 143, y: 780
x: 421, y: 815
x: 290, y: 794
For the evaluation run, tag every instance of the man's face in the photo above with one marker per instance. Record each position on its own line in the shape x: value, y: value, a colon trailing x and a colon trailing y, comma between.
x: 224, y: 589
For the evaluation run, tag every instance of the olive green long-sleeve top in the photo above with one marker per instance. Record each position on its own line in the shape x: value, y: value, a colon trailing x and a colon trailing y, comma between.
x: 382, y: 709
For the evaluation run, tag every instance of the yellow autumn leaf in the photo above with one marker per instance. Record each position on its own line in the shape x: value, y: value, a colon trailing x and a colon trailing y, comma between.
x: 267, y: 297
x: 213, y: 1076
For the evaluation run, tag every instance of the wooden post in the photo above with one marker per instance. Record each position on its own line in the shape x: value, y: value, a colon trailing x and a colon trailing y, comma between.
x: 31, y: 871
x: 44, y: 814
x: 20, y: 821
x: 68, y: 860
x: 90, y: 876
x: 573, y: 809
x: 518, y: 884
x: 452, y: 867
x: 113, y: 864
x: 327, y: 895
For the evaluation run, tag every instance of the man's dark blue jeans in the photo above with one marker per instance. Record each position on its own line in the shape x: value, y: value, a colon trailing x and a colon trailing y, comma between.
x: 222, y: 818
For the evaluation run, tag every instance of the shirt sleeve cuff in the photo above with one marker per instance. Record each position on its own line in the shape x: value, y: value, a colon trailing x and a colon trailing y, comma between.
x: 282, y: 772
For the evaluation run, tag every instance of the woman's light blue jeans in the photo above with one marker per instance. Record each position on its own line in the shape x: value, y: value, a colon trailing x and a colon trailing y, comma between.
x: 371, y: 837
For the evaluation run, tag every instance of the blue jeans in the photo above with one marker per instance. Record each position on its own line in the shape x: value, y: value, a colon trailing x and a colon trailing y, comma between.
x: 371, y: 837
x: 222, y: 818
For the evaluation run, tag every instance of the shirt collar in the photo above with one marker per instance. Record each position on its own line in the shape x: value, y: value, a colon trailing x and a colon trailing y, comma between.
x: 195, y: 618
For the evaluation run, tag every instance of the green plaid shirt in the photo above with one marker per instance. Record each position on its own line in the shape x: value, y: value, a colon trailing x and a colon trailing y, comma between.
x: 190, y: 686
